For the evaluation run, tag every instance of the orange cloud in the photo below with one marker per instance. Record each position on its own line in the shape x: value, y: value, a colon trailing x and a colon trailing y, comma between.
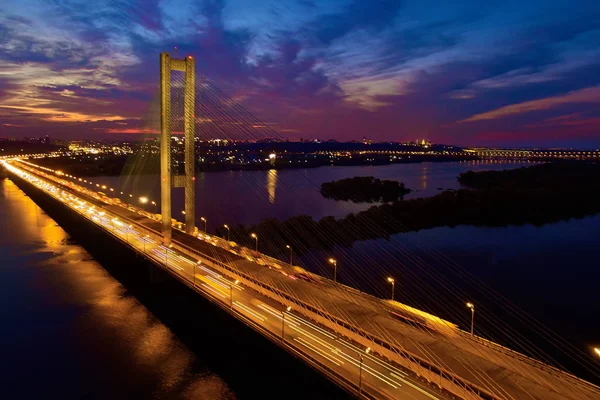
x: 587, y: 95
x: 133, y: 130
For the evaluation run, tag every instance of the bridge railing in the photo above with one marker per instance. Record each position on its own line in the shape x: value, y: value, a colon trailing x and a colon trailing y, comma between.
x: 421, y: 367
x: 425, y: 367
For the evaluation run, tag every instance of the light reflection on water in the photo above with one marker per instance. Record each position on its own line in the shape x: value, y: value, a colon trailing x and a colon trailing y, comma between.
x: 73, y: 328
x: 249, y: 197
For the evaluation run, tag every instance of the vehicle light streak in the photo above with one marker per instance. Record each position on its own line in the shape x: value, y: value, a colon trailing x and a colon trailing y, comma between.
x: 318, y: 351
x: 249, y: 311
x: 211, y: 289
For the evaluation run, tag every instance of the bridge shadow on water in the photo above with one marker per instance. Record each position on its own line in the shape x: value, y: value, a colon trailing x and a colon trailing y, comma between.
x: 251, y: 365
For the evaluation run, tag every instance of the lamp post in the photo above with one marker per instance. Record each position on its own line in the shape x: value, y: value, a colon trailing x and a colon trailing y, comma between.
x: 227, y: 227
x: 231, y: 293
x: 167, y: 255
x: 291, y: 253
x: 360, y: 371
x: 204, y: 220
x: 154, y: 204
x: 198, y: 264
x: 283, y: 323
x: 597, y: 351
x: 255, y: 237
x: 127, y: 233
x: 143, y: 201
x: 391, y: 280
x: 333, y: 261
x: 472, y: 307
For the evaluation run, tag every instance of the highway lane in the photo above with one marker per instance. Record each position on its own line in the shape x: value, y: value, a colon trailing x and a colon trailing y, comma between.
x: 489, y: 368
x: 375, y: 376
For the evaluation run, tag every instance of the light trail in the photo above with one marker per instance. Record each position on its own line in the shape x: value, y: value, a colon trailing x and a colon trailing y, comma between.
x: 311, y: 339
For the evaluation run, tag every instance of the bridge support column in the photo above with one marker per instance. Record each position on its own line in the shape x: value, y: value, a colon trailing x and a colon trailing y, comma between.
x: 190, y: 159
x: 167, y: 64
x: 165, y: 146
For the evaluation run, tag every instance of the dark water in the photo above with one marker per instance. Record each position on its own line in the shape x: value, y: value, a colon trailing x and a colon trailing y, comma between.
x: 248, y: 197
x: 70, y: 330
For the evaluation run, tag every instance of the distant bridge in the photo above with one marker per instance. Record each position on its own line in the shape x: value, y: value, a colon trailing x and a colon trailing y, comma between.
x: 536, y: 154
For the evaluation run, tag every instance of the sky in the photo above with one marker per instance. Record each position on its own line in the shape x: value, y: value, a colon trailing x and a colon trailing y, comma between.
x: 472, y: 73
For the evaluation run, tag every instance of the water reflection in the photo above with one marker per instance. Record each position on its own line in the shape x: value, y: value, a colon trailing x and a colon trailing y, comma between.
x: 424, y: 176
x: 271, y: 184
x: 86, y: 319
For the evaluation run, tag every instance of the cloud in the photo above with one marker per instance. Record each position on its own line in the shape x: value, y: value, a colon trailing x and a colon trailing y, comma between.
x: 587, y: 95
x: 390, y: 70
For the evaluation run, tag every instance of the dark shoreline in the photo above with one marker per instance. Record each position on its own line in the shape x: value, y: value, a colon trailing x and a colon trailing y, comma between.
x: 535, y: 195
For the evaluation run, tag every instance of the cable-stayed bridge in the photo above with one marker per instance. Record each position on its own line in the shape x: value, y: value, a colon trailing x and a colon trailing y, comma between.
x: 373, y: 348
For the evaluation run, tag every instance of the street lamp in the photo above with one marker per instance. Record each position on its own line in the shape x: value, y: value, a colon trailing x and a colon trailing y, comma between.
x: 231, y: 293
x: 114, y: 221
x: 127, y: 233
x: 283, y: 322
x: 391, y: 280
x: 472, y: 307
x: 167, y: 255
x: 143, y: 201
x: 227, y: 227
x: 198, y: 264
x: 334, y: 262
x: 597, y: 351
x: 368, y: 349
x: 204, y: 220
x: 291, y: 253
x: 154, y: 204
x: 253, y: 235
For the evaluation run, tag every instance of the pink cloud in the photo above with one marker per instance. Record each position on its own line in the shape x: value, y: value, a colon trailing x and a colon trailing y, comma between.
x: 587, y: 95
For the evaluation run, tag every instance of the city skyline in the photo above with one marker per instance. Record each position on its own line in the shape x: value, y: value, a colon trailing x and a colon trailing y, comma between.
x: 505, y: 76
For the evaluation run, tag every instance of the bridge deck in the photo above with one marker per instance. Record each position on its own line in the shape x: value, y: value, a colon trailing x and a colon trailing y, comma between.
x: 506, y: 375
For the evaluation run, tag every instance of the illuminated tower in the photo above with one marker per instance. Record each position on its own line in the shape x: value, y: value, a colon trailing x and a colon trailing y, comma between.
x: 167, y: 64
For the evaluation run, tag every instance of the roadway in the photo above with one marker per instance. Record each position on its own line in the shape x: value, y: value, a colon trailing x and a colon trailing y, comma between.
x: 507, y: 376
x: 371, y: 375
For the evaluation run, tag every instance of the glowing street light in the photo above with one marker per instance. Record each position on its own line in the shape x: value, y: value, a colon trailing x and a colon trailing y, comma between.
x: 472, y: 307
x: 167, y: 254
x: 227, y: 227
x: 204, y: 220
x: 367, y: 350
x: 143, y: 200
x: 391, y: 280
x: 291, y: 253
x: 154, y: 204
x: 283, y: 322
x: 597, y: 351
x: 253, y: 235
x: 231, y: 293
x: 333, y: 261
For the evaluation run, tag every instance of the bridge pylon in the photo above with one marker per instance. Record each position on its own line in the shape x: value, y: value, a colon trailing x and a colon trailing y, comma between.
x: 187, y: 65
